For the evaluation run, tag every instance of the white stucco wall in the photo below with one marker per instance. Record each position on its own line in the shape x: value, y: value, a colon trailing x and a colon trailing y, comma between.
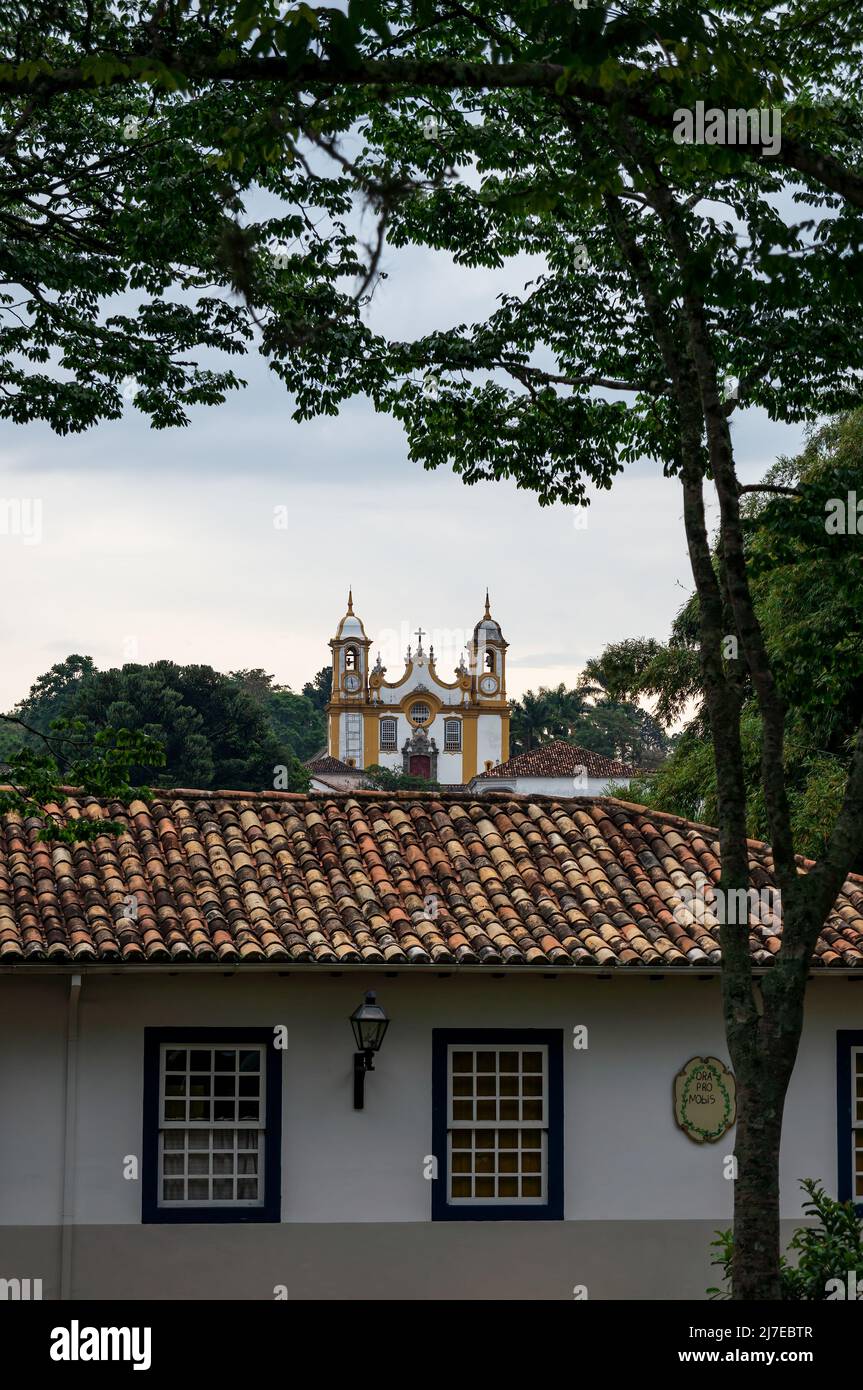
x: 624, y: 1157
x: 544, y: 786
x: 488, y: 739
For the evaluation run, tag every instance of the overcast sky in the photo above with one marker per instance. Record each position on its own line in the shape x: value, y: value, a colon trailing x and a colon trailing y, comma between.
x: 163, y: 543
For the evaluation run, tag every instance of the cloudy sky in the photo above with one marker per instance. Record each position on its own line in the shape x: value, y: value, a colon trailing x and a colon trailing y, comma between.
x: 165, y: 543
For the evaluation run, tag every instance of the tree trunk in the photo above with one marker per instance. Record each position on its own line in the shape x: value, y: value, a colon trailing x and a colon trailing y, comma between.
x: 755, y: 1265
x: 763, y: 1057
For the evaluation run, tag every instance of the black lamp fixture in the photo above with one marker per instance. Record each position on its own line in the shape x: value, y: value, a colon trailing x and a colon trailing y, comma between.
x: 369, y: 1023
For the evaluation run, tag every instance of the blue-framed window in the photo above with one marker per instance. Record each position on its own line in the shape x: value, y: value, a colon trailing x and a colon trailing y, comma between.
x: 497, y: 1124
x: 849, y: 1110
x: 212, y: 1125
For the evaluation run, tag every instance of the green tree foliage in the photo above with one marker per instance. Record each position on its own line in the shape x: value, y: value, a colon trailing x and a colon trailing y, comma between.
x: 822, y: 1257
x: 384, y: 779
x: 138, y: 135
x: 213, y: 732
x: 619, y: 729
x: 488, y: 133
x: 298, y: 721
x: 808, y: 589
x: 320, y: 688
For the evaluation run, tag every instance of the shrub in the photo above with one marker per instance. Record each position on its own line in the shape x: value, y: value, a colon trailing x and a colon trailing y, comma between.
x: 830, y: 1249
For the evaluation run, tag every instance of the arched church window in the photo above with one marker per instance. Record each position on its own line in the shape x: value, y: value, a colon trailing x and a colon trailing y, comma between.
x: 452, y: 736
x: 351, y: 659
x: 420, y: 713
x: 389, y: 734
x: 489, y: 661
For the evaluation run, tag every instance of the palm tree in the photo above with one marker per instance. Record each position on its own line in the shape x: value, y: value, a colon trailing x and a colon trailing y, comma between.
x: 544, y: 715
x: 529, y: 718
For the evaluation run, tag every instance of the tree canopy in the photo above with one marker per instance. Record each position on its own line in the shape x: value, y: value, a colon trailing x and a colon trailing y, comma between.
x: 183, y: 181
x: 589, y: 718
x: 808, y: 590
x: 206, y: 729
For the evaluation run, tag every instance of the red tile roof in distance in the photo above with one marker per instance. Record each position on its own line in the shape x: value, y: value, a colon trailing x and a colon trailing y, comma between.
x: 432, y: 878
x: 560, y: 759
x: 326, y: 765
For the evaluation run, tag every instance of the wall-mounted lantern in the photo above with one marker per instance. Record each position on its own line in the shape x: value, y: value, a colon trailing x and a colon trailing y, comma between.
x: 369, y: 1023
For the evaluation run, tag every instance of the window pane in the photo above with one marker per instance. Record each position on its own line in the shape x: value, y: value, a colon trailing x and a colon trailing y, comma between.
x: 211, y: 1159
x: 504, y: 1159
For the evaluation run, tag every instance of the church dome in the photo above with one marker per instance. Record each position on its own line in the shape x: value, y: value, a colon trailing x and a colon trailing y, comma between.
x: 488, y: 628
x: 350, y: 625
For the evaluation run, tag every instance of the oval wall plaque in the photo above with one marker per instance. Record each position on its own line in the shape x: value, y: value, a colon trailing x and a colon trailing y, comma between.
x: 705, y: 1099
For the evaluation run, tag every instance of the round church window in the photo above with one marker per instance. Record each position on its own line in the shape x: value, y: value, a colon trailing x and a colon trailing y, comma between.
x: 420, y: 713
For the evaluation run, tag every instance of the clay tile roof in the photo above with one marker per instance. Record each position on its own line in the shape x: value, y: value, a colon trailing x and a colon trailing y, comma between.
x: 432, y: 878
x: 326, y: 765
x: 560, y: 759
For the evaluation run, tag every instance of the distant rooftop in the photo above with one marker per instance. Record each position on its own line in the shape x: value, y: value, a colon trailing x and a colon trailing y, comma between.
x: 560, y: 759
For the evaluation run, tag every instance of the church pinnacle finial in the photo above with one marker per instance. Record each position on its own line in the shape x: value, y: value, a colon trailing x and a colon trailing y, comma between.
x: 350, y: 600
x: 487, y: 608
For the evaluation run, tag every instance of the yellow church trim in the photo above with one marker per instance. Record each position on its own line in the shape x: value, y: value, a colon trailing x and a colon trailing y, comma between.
x: 334, y: 735
x: 470, y: 730
x: 371, y: 739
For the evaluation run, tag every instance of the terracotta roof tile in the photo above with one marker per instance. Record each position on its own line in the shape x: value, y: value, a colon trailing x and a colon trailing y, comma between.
x: 383, y: 879
x: 325, y: 765
x: 560, y: 759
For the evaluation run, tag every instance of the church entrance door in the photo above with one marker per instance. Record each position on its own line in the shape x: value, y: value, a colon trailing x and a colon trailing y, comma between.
x: 420, y: 766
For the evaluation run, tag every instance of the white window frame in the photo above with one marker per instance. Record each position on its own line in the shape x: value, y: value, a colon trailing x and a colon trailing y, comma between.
x: 207, y: 1126
x: 421, y: 704
x: 856, y: 1125
x: 353, y: 736
x: 385, y: 746
x: 475, y: 1124
x: 448, y: 745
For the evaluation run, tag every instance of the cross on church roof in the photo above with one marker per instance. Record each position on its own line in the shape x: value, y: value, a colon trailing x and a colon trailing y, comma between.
x: 420, y: 635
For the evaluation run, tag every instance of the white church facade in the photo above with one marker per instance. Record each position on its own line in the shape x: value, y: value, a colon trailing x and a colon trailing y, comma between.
x: 420, y: 723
